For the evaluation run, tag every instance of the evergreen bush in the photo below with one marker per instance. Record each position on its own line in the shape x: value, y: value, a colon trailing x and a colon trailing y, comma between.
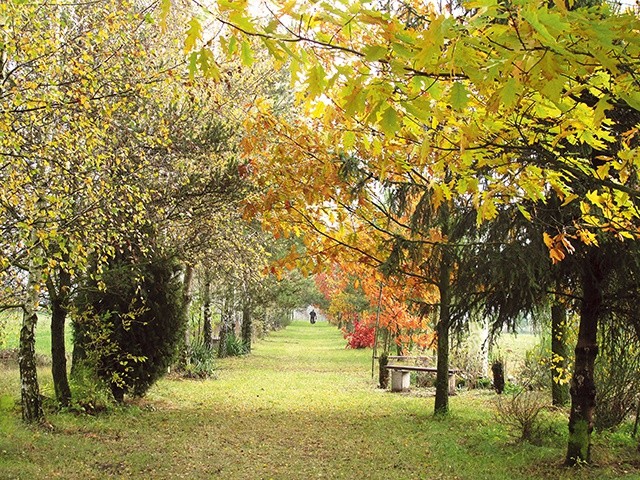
x: 127, y: 327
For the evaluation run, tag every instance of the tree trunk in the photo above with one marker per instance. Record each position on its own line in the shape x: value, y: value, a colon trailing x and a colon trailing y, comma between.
x: 246, y: 326
x: 498, y: 376
x: 78, y: 354
x: 559, y: 355
x: 224, y: 330
x: 207, y: 329
x: 186, y: 303
x: 583, y: 390
x: 58, y: 353
x: 29, y: 388
x: 383, y: 375
x: 59, y: 298
x: 442, y: 331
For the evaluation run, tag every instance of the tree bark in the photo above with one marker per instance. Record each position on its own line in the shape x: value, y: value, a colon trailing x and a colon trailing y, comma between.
x: 442, y: 331
x: 583, y: 390
x: 498, y: 376
x: 186, y: 302
x: 559, y: 355
x: 246, y: 325
x: 58, y: 354
x: 224, y: 329
x: 207, y: 328
x: 29, y: 388
x: 59, y: 299
x: 78, y: 354
x: 383, y: 374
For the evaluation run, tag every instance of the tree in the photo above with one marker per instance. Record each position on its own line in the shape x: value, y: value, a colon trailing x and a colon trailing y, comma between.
x: 507, y: 90
x: 129, y: 319
x: 64, y: 97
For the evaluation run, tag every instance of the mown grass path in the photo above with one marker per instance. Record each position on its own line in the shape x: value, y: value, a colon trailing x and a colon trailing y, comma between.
x: 300, y: 407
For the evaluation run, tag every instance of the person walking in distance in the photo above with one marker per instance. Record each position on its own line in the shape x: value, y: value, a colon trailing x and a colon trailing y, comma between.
x: 312, y: 316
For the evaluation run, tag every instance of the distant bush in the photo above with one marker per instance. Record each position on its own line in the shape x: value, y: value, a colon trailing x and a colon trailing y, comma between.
x: 469, y: 360
x: 362, y: 336
x: 521, y: 412
x: 197, y: 362
x: 235, y: 346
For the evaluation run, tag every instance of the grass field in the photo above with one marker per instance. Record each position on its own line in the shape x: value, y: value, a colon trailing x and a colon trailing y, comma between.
x: 12, y: 319
x: 301, y: 406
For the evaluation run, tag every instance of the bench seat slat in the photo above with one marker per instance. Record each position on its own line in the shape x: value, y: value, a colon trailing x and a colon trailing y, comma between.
x: 417, y: 368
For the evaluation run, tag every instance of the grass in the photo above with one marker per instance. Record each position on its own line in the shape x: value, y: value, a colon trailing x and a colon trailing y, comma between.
x: 301, y: 406
x: 12, y: 319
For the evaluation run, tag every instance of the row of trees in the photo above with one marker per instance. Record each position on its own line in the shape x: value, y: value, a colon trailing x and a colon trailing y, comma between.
x: 489, y: 152
x: 122, y: 189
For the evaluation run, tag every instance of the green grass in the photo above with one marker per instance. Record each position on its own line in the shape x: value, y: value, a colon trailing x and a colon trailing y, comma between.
x: 12, y: 320
x: 301, y: 406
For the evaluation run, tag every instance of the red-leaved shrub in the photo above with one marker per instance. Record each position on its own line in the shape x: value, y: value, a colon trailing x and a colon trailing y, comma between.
x: 362, y: 336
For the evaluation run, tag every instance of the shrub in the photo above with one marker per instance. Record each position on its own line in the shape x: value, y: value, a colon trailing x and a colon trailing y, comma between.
x: 536, y: 371
x: 128, y: 329
x: 617, y: 376
x: 362, y: 336
x: 235, y: 346
x: 91, y: 395
x: 521, y: 412
x: 469, y: 360
x: 197, y: 361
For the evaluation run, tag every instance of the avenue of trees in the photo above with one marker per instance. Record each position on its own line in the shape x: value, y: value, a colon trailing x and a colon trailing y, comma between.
x: 430, y: 165
x: 495, y: 133
x: 121, y: 206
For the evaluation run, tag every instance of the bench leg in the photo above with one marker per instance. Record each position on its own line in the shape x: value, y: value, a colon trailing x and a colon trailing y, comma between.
x: 452, y: 384
x: 400, y: 381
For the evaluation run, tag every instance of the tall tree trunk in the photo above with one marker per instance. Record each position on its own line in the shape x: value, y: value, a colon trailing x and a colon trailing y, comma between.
x: 78, y: 353
x: 246, y: 325
x: 207, y: 329
x: 224, y: 328
x: 58, y: 353
x: 59, y: 299
x: 29, y: 388
x: 559, y: 355
x: 186, y: 302
x: 442, y: 331
x: 583, y: 390
x: 383, y: 373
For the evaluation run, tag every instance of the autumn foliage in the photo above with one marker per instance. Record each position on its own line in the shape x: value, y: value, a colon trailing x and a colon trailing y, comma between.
x: 362, y: 336
x: 361, y: 301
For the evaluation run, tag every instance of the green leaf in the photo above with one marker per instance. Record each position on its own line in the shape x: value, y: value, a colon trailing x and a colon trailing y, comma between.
x: 524, y: 212
x: 239, y: 20
x: 374, y: 53
x: 389, y: 122
x: 317, y: 81
x: 632, y: 99
x: 458, y: 97
x: 193, y: 64
x: 194, y: 33
x: 208, y: 64
x: 348, y: 140
x: 165, y: 7
x: 509, y: 93
x: 232, y: 46
x: 246, y: 54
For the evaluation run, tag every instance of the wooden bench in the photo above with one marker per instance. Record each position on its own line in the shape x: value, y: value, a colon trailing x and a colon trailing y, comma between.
x: 401, y: 376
